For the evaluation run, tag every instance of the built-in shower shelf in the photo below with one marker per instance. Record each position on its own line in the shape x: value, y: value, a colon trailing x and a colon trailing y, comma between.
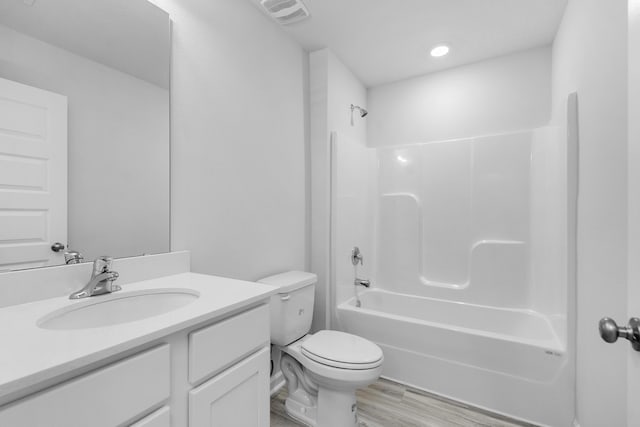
x: 497, y: 242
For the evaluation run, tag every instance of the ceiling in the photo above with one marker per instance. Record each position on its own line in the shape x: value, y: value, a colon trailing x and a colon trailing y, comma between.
x: 131, y: 36
x: 388, y: 40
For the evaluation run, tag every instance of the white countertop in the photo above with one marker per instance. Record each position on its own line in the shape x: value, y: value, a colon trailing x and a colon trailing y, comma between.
x: 30, y: 355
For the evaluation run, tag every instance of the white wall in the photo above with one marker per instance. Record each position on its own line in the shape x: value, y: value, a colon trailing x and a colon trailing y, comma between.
x: 238, y: 140
x: 333, y: 88
x: 589, y: 56
x: 344, y: 89
x: 118, y: 145
x: 633, y: 49
x: 504, y: 94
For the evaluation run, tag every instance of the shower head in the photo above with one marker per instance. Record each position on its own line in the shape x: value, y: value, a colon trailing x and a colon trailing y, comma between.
x: 363, y: 112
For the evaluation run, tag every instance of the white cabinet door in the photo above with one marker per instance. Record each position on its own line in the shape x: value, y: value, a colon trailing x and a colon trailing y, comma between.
x: 238, y: 397
x: 33, y: 175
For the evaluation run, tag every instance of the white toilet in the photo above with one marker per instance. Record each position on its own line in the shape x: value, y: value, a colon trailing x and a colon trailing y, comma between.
x: 322, y: 370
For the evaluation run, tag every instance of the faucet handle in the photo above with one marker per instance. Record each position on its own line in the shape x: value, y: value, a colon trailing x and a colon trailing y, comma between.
x: 73, y: 257
x: 356, y: 256
x: 102, y: 264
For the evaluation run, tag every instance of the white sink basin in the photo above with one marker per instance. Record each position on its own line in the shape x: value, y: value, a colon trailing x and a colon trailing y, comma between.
x: 116, y: 308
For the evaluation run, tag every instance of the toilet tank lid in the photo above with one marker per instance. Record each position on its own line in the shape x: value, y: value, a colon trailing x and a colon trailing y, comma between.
x: 290, y: 281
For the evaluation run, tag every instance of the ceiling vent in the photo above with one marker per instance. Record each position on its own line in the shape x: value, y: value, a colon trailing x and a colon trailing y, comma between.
x: 285, y: 12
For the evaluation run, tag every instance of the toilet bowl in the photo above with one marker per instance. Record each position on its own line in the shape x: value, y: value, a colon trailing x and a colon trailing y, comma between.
x: 322, y: 370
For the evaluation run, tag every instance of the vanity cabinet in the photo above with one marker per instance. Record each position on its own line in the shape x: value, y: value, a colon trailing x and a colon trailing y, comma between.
x: 212, y: 374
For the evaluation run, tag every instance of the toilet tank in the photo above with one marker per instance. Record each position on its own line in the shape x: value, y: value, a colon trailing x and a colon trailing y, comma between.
x: 292, y: 307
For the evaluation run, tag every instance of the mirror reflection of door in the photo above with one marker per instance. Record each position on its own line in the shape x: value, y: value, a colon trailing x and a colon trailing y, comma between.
x: 111, y: 59
x: 33, y: 176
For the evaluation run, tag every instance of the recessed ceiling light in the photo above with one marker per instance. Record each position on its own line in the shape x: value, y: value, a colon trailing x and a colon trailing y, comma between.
x: 440, y: 50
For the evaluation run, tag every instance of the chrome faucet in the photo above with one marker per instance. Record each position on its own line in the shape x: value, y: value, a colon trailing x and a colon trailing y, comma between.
x: 101, y: 281
x: 362, y: 282
x: 73, y: 257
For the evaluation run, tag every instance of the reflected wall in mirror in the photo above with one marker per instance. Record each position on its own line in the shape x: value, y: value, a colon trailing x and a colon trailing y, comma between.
x: 84, y: 130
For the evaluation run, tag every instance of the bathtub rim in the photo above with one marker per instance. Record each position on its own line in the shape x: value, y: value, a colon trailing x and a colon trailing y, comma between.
x: 554, y: 344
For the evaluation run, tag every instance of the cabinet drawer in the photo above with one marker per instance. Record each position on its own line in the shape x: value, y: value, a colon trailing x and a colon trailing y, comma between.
x: 159, y: 418
x: 106, y: 397
x: 216, y: 347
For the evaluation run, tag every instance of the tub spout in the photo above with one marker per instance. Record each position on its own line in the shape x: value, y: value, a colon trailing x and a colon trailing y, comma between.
x: 362, y: 282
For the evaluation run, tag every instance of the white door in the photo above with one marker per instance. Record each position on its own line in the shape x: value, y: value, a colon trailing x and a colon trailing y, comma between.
x: 633, y: 258
x: 33, y: 176
x: 238, y: 397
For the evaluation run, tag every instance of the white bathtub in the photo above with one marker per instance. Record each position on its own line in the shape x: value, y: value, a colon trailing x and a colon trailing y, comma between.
x: 506, y: 361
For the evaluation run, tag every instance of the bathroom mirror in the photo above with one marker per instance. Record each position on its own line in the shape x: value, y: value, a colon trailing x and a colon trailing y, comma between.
x: 84, y: 130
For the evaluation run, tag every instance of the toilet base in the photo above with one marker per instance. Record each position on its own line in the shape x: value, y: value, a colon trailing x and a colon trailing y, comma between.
x: 331, y: 408
x: 337, y: 408
x: 301, y: 407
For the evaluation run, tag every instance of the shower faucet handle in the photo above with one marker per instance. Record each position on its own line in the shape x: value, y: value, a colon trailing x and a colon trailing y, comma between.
x: 610, y: 331
x: 356, y: 256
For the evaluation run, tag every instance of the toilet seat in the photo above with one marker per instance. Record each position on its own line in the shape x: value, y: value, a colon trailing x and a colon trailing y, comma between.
x: 327, y: 374
x: 342, y: 350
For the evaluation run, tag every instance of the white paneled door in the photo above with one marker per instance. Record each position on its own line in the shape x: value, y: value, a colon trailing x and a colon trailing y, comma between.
x: 33, y: 176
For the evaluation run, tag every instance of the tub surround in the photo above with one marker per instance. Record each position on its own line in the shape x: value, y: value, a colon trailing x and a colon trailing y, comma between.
x: 468, y: 251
